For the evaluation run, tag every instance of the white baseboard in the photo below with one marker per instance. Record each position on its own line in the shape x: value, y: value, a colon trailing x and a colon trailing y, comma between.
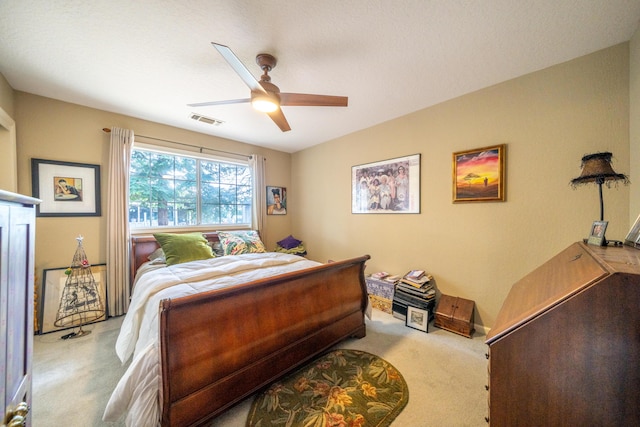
x: 481, y: 329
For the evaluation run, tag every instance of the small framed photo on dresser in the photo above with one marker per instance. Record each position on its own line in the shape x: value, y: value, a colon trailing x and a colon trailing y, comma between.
x: 596, y: 237
x: 417, y: 318
x: 633, y: 237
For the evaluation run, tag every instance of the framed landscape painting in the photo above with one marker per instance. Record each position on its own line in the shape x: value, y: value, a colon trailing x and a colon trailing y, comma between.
x: 417, y: 318
x: 478, y: 175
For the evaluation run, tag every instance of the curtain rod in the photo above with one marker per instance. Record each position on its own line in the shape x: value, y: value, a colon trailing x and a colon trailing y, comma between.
x: 108, y: 130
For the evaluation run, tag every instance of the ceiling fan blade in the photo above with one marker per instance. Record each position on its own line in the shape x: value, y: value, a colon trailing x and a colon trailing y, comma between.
x: 229, y: 101
x: 239, y: 67
x: 278, y: 117
x: 308, y: 100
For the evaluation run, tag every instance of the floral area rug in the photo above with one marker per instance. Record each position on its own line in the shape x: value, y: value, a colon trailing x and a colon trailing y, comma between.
x: 342, y: 388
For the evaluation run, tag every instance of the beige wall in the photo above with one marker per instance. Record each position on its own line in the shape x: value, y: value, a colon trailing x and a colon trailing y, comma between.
x: 548, y: 120
x: 56, y: 130
x: 8, y: 173
x: 6, y: 96
x: 634, y: 126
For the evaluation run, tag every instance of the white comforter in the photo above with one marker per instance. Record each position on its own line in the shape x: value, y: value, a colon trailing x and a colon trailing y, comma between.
x: 137, y: 393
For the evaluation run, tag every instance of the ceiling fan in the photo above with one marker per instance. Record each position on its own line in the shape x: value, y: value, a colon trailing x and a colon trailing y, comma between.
x: 265, y: 96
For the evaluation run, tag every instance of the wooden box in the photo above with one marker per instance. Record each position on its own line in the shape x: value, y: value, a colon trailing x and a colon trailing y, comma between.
x: 455, y: 314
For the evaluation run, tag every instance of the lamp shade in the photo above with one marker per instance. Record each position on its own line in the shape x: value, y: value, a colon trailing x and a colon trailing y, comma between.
x: 596, y: 168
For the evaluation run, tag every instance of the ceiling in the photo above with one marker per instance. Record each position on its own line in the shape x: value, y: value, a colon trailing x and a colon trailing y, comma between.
x: 149, y: 59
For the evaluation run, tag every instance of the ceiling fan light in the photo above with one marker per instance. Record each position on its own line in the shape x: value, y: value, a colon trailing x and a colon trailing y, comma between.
x: 266, y: 104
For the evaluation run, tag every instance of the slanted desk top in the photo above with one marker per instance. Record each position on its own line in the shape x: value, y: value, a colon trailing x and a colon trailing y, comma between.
x: 565, y: 348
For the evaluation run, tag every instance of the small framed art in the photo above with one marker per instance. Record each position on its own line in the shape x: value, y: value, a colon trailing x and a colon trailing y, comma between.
x: 417, y: 318
x: 276, y: 200
x: 387, y: 186
x: 633, y: 237
x: 478, y: 175
x: 53, y: 283
x: 596, y: 237
x: 65, y: 188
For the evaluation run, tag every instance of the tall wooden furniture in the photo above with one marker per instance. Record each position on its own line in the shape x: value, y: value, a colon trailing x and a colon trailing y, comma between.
x: 565, y: 348
x: 17, y: 244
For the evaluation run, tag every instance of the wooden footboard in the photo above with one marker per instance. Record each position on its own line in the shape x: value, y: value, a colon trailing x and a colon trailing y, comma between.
x: 219, y: 347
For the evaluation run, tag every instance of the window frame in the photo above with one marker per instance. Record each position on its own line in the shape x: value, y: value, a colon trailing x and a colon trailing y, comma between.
x: 161, y: 149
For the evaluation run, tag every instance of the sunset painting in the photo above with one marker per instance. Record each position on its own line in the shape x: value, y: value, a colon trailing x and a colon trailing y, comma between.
x: 479, y: 174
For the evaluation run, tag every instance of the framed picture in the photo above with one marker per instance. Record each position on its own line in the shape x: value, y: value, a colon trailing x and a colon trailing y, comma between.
x: 596, y: 237
x: 53, y: 282
x: 633, y: 237
x: 65, y: 188
x: 388, y: 186
x: 417, y: 318
x: 276, y: 200
x: 478, y: 175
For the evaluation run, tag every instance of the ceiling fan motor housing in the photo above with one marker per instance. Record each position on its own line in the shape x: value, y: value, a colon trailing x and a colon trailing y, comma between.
x: 266, y: 62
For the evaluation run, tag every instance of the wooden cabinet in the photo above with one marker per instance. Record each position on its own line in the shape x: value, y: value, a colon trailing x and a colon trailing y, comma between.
x: 565, y: 347
x: 455, y: 314
x: 17, y: 244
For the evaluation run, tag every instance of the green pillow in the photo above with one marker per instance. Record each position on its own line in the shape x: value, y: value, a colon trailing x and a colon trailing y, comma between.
x: 179, y: 248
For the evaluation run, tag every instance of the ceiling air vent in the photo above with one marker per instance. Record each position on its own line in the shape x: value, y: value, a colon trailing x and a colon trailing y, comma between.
x: 204, y: 119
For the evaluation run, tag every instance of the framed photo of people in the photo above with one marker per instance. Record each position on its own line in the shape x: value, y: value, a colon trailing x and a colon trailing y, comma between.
x: 65, y: 188
x: 387, y: 186
x: 596, y: 236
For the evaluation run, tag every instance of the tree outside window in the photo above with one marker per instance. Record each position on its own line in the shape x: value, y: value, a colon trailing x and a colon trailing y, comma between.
x: 170, y: 190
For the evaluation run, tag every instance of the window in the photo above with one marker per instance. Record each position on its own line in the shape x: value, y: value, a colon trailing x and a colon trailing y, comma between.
x: 167, y: 189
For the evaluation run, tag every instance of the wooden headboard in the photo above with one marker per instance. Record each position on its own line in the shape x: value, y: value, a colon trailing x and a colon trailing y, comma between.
x: 143, y: 245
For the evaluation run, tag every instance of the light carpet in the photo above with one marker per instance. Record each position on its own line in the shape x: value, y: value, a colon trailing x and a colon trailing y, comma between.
x: 446, y: 375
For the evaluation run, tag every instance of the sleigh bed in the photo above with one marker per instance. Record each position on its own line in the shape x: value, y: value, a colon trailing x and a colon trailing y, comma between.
x: 209, y: 350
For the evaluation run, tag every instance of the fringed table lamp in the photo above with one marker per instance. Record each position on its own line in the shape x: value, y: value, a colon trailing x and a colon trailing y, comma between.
x: 596, y: 168
x: 80, y: 302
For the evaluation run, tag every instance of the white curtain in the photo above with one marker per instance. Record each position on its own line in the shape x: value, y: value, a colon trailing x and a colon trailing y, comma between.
x: 118, y: 289
x: 257, y: 218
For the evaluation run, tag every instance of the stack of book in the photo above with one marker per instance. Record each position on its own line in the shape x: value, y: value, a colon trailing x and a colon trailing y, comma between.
x: 383, y: 275
x: 416, y: 289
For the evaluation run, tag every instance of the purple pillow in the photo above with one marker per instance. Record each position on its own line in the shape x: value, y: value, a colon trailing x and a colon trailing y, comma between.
x: 289, y: 242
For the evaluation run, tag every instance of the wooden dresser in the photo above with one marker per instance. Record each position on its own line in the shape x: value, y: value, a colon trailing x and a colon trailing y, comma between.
x: 565, y: 347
